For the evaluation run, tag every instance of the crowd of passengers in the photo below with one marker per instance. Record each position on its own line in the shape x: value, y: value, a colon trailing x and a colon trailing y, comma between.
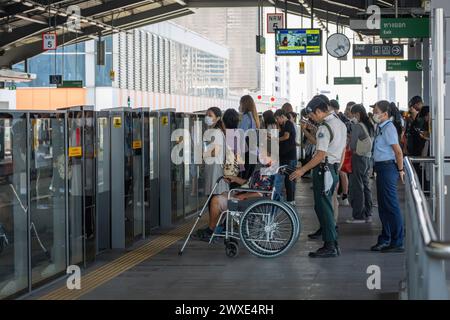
x: 353, y: 146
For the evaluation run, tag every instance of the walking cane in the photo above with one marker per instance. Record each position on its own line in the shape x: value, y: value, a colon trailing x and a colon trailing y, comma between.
x: 199, y: 216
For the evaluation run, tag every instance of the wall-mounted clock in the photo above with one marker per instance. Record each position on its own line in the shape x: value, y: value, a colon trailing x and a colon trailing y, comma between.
x: 338, y: 45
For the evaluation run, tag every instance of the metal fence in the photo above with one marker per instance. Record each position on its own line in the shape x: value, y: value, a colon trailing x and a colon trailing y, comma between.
x: 425, y: 253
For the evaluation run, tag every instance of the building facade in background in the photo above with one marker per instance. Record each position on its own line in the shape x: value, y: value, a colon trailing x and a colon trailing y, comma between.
x: 236, y: 29
x: 163, y: 65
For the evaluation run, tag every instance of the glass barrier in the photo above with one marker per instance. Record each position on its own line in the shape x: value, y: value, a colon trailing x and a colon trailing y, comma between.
x: 153, y: 219
x: 138, y: 201
x: 103, y: 206
x: 47, y: 195
x: 13, y: 204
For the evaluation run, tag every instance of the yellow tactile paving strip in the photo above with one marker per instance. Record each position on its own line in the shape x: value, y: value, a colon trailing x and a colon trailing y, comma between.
x: 114, y: 268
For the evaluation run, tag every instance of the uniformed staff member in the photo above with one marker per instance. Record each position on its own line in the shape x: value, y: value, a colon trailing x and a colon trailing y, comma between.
x: 331, y: 138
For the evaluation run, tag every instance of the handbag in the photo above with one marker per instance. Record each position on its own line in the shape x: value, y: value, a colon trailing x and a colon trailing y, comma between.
x: 364, y: 146
x: 231, y: 166
x: 347, y: 165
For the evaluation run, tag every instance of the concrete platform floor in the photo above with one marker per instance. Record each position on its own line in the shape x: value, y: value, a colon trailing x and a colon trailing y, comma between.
x: 205, y: 272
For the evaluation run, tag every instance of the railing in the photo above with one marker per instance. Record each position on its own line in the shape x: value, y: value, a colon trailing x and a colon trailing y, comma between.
x: 425, y: 254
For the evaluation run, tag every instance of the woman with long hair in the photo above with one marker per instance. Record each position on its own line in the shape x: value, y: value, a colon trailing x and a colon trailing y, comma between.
x: 213, y: 120
x: 388, y: 165
x: 214, y: 171
x: 250, y: 121
x: 361, y: 136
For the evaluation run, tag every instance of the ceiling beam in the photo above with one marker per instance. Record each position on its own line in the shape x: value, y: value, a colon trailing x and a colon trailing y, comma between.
x: 20, y: 53
x: 35, y: 28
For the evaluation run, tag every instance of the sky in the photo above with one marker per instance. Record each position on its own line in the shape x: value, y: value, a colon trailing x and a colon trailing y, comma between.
x: 304, y: 86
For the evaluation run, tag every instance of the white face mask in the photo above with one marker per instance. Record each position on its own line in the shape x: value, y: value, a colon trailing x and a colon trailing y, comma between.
x: 209, y: 121
x: 354, y: 120
x: 376, y: 118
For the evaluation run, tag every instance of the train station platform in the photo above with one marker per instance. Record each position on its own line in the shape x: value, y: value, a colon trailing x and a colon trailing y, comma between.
x: 154, y: 270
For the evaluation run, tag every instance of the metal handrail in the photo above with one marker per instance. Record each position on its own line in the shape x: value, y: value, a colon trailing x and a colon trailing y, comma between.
x: 433, y: 246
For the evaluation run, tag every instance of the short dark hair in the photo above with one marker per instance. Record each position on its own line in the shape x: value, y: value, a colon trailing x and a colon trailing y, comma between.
x: 279, y: 113
x: 324, y: 98
x: 268, y: 118
x: 316, y: 103
x: 350, y: 103
x: 334, y: 104
x: 415, y: 100
x: 230, y: 119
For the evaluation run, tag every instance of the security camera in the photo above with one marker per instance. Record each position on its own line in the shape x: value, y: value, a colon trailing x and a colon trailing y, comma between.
x: 367, y: 69
x: 412, y: 43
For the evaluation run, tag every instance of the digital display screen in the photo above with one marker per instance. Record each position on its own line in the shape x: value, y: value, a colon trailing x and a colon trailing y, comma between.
x: 298, y: 42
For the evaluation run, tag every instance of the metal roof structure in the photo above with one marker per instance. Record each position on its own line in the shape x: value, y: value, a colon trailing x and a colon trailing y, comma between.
x: 22, y: 22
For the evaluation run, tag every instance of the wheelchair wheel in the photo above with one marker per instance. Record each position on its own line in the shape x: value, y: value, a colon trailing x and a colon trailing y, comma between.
x: 269, y: 228
x: 231, y: 248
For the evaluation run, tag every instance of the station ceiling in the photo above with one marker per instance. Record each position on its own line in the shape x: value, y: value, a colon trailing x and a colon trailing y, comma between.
x: 22, y: 22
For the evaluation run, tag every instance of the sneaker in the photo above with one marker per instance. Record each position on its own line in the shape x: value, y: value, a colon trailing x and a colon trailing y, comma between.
x: 316, y: 235
x: 352, y: 220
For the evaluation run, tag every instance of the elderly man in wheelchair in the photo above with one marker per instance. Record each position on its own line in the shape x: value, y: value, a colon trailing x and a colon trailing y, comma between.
x: 268, y: 228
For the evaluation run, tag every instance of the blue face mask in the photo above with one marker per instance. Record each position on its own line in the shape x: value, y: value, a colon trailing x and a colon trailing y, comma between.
x: 209, y: 121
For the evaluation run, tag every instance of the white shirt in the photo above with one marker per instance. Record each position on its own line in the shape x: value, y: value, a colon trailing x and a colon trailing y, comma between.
x: 334, y: 149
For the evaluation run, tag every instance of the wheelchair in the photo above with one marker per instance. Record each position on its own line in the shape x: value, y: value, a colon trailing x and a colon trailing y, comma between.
x: 267, y: 228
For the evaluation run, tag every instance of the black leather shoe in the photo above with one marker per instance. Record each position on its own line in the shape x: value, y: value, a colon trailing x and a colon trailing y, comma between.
x: 329, y: 250
x: 379, y: 247
x: 316, y: 235
x: 393, y: 249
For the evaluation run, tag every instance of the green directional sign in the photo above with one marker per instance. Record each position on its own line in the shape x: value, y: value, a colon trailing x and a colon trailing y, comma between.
x: 71, y: 84
x: 403, y: 65
x: 347, y: 80
x: 405, y: 28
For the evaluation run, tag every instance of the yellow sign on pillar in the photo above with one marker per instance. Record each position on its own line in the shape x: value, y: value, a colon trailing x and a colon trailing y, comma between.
x: 164, y: 120
x: 117, y: 121
x: 137, y: 144
x: 301, y: 67
x: 75, y: 152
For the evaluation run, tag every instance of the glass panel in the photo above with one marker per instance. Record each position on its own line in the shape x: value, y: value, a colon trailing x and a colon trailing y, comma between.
x: 103, y: 184
x: 190, y: 173
x: 147, y: 181
x: 89, y: 186
x: 154, y: 172
x: 13, y: 204
x: 47, y: 173
x: 202, y: 197
x: 177, y: 174
x: 75, y: 180
x: 128, y: 161
x: 137, y: 174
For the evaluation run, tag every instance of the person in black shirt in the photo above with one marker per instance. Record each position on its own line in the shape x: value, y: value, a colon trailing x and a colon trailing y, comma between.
x: 287, y: 153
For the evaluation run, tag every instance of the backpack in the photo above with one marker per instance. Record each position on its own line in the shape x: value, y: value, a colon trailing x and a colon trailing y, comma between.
x: 364, y: 146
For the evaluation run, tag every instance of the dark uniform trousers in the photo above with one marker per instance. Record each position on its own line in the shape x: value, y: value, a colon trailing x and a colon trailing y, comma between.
x: 323, y: 203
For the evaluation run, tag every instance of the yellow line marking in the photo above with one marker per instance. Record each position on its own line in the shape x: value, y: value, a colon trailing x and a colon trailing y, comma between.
x: 114, y: 268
